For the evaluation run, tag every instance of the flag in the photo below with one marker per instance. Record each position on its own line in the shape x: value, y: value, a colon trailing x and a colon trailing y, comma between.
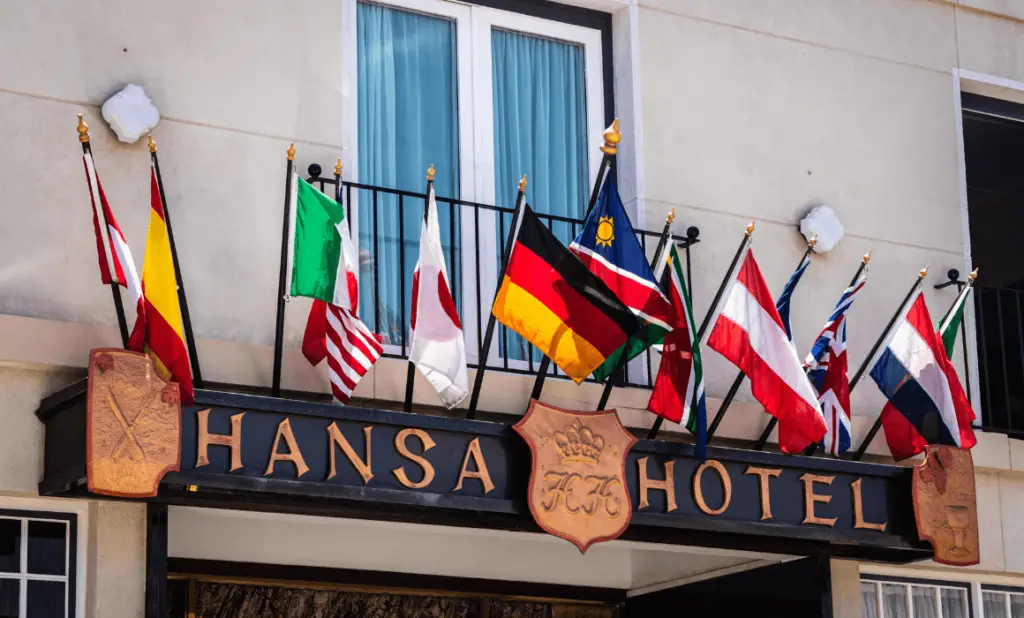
x: 749, y: 332
x: 783, y: 303
x: 927, y: 404
x: 349, y: 346
x: 438, y: 349
x: 162, y: 339
x: 116, y: 253
x: 336, y: 333
x: 550, y: 298
x: 608, y: 246
x: 681, y: 364
x: 321, y: 258
x: 827, y: 369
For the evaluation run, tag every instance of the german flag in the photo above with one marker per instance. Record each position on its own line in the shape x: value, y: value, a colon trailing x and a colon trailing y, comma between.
x: 550, y: 298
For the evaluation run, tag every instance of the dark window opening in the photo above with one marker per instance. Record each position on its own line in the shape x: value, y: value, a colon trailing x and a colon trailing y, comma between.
x: 994, y: 153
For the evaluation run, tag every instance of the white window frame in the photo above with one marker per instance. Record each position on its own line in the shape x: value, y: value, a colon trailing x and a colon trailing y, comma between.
x: 30, y: 511
x: 473, y: 26
x: 1007, y: 594
x: 934, y: 586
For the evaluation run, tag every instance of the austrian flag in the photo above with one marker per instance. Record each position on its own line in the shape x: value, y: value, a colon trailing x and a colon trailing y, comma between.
x: 749, y: 332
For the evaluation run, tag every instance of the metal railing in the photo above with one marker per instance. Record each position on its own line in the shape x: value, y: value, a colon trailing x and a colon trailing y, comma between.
x: 471, y: 226
x: 1000, y: 335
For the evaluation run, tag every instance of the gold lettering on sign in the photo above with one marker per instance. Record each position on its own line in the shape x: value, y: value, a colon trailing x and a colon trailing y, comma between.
x: 811, y: 498
x: 597, y: 493
x: 473, y: 450
x: 698, y: 491
x: 764, y: 476
x: 858, y: 509
x: 294, y: 455
x: 668, y: 485
x: 233, y: 440
x: 362, y: 466
x: 403, y: 450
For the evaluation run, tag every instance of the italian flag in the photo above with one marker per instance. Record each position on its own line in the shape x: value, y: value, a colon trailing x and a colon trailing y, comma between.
x: 321, y: 259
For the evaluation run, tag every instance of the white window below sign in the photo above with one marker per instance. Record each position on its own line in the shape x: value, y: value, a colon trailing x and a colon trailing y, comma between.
x: 37, y: 564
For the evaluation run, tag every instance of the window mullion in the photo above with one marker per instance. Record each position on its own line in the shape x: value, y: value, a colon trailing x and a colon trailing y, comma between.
x: 938, y: 601
x: 23, y: 569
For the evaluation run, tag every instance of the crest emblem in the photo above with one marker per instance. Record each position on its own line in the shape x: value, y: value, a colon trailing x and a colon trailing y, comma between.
x: 946, y: 506
x: 578, y: 480
x: 134, y: 425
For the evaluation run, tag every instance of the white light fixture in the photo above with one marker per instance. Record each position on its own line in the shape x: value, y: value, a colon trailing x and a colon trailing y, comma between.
x: 823, y: 222
x: 131, y: 114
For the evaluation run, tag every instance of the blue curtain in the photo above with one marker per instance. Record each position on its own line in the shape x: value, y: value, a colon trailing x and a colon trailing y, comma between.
x: 540, y: 129
x: 408, y: 120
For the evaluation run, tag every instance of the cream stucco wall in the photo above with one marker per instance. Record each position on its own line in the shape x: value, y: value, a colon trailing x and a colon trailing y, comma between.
x: 732, y: 110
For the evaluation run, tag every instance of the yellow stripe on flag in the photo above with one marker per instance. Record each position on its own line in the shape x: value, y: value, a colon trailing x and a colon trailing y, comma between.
x: 517, y: 309
x: 158, y: 273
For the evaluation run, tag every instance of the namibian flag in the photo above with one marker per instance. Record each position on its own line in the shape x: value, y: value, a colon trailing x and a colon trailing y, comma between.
x: 163, y: 333
x: 608, y: 246
x: 550, y: 298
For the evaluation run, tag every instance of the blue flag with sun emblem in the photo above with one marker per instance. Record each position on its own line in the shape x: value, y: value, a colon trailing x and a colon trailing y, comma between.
x: 608, y: 246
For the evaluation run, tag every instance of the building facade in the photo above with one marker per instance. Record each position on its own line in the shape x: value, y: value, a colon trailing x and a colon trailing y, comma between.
x: 899, y: 114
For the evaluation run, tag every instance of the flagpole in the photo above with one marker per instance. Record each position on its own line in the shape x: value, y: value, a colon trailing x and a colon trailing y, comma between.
x: 954, y: 279
x: 656, y: 262
x: 656, y: 427
x: 871, y: 356
x: 763, y: 439
x: 337, y: 195
x: 612, y: 137
x: 122, y: 322
x: 275, y: 389
x: 410, y: 374
x: 186, y: 319
x: 740, y: 376
x: 485, y: 349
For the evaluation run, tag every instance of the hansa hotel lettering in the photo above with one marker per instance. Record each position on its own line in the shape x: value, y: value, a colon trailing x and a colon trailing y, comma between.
x: 566, y: 491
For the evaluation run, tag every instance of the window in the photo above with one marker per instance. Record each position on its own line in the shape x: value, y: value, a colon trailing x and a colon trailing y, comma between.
x: 37, y: 564
x: 916, y: 599
x: 1002, y: 602
x: 486, y: 96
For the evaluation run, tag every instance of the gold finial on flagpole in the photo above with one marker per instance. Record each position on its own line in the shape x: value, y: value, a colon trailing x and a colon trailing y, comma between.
x: 813, y: 241
x: 83, y: 130
x: 612, y: 137
x: 430, y: 173
x: 522, y: 183
x: 291, y: 152
x: 152, y: 144
x: 923, y: 273
x: 671, y: 217
x: 750, y: 229
x: 337, y: 167
x: 866, y: 258
x: 973, y: 275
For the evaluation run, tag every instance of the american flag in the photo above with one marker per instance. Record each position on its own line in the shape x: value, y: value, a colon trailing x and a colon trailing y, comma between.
x: 351, y: 350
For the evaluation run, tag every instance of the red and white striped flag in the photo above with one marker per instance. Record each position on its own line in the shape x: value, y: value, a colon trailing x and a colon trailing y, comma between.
x: 114, y: 253
x: 351, y: 349
x: 749, y: 332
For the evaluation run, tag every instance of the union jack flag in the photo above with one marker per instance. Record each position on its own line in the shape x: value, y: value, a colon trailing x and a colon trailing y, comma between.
x: 826, y: 366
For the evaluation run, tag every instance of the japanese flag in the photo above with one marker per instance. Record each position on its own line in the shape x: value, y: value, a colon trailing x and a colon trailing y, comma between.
x: 438, y: 349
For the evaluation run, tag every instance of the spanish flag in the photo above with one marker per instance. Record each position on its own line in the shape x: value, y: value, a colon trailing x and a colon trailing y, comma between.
x: 163, y: 334
x: 550, y: 298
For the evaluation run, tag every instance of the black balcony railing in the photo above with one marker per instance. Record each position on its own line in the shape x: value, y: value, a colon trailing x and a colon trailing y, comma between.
x: 466, y: 223
x: 1000, y: 331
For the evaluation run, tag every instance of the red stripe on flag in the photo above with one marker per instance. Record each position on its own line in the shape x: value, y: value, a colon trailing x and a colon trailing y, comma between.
x: 639, y: 296
x: 750, y: 278
x: 779, y: 400
x: 167, y: 346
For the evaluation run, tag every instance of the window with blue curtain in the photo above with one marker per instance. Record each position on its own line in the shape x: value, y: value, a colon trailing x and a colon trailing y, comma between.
x: 408, y: 120
x: 540, y: 129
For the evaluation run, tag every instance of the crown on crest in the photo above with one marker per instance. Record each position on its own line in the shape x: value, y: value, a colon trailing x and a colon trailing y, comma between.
x: 578, y: 444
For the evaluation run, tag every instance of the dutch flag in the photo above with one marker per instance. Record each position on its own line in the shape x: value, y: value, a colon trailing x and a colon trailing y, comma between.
x: 920, y: 382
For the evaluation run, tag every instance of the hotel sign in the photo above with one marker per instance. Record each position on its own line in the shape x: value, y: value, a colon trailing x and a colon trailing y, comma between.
x: 243, y: 451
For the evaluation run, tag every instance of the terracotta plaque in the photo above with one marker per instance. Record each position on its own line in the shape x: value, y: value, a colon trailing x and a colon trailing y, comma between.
x: 945, y: 505
x: 578, y: 480
x: 134, y: 425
